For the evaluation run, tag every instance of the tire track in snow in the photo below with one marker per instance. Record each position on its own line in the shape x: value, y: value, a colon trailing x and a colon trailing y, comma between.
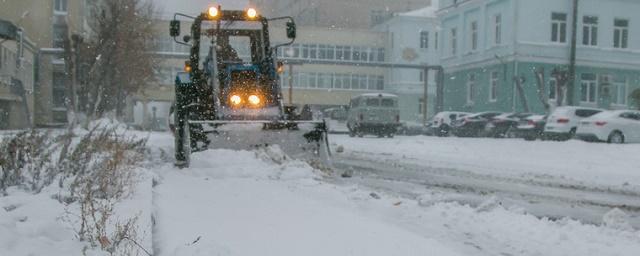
x: 544, y: 198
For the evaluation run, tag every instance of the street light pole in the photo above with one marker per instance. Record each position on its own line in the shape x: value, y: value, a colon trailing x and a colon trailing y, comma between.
x: 425, y: 95
x: 290, y: 78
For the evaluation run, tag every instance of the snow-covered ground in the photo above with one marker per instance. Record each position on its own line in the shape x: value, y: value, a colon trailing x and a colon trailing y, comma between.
x: 247, y: 203
x: 261, y: 203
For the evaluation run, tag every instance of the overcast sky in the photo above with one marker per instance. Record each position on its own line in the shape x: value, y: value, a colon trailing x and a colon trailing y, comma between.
x: 168, y: 7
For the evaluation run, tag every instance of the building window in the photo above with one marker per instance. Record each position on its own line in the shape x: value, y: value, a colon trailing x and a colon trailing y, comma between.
x: 553, y: 89
x: 620, y: 33
x: 493, y: 90
x: 58, y: 86
x: 424, y: 39
x: 619, y: 91
x: 559, y: 27
x: 497, y: 29
x: 435, y: 43
x: 471, y: 89
x: 474, y: 35
x: 421, y: 76
x: 454, y: 41
x: 420, y: 105
x: 347, y: 52
x: 60, y: 6
x: 59, y: 34
x: 590, y: 30
x: 364, y: 53
x: 379, y: 17
x: 313, y: 51
x: 346, y: 81
x: 588, y: 88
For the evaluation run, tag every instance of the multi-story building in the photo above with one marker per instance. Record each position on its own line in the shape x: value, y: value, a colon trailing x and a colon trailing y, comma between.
x: 48, y: 23
x: 17, y: 73
x: 361, y: 14
x: 488, y: 47
x: 412, y: 39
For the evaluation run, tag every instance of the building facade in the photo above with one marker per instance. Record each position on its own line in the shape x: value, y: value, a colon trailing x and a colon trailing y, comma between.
x: 412, y: 39
x: 494, y: 52
x: 47, y: 24
x: 17, y: 75
x: 361, y: 14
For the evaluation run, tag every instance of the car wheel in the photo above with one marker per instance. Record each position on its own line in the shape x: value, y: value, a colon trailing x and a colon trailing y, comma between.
x: 352, y: 132
x: 443, y: 131
x: 616, y: 137
x: 572, y: 133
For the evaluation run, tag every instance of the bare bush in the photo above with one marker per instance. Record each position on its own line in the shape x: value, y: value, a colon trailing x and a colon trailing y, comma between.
x: 96, y: 169
x: 26, y: 161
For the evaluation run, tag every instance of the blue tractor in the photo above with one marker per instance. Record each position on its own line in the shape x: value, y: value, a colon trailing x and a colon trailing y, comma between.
x: 229, y: 95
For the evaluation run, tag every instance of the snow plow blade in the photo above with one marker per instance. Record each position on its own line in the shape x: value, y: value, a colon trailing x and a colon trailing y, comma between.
x: 302, y: 140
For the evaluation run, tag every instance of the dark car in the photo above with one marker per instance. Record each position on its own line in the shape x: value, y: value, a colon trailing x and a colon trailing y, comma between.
x: 532, y: 127
x: 472, y: 125
x: 503, y: 125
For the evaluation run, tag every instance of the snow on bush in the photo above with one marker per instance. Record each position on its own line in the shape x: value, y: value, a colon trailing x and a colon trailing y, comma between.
x: 93, y: 172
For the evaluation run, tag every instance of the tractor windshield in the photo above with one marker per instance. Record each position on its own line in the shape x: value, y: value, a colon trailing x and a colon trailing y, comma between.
x: 234, y: 41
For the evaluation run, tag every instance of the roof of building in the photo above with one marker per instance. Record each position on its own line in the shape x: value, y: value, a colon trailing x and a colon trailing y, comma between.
x: 428, y: 12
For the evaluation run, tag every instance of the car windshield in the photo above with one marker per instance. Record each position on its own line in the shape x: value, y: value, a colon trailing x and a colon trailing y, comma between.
x: 373, y: 102
x: 320, y: 127
x: 387, y: 103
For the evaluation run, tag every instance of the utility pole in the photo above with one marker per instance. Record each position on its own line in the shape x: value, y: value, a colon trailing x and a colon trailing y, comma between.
x: 572, y: 58
x: 425, y: 95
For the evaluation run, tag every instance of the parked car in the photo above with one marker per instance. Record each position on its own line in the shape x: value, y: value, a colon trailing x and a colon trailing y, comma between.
x: 531, y: 128
x: 472, y: 125
x: 620, y: 126
x: 441, y: 123
x: 563, y: 121
x: 503, y: 125
x: 373, y: 113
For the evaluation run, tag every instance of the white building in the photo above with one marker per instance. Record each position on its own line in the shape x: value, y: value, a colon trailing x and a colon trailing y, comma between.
x: 412, y: 39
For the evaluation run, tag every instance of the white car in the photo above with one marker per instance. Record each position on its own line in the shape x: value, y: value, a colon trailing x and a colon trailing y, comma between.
x: 441, y: 124
x: 562, y: 124
x: 620, y: 126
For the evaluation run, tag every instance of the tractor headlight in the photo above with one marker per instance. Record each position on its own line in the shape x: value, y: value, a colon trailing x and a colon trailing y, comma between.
x: 235, y: 99
x: 254, y: 100
x: 252, y: 13
x: 213, y: 12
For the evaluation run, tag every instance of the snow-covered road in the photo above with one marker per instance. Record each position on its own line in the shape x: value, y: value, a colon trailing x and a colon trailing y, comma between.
x: 526, y: 174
